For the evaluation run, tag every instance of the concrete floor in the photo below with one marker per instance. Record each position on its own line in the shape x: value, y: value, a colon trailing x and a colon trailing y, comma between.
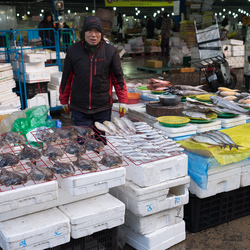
x: 233, y: 235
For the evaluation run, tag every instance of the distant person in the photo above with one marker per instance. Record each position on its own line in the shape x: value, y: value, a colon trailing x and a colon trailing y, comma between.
x: 158, y: 22
x: 150, y: 26
x: 225, y: 21
x: 47, y: 36
x: 165, y: 35
x: 119, y: 27
x: 66, y: 34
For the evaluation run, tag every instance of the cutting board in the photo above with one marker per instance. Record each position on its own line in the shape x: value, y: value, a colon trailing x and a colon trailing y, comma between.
x: 157, y: 109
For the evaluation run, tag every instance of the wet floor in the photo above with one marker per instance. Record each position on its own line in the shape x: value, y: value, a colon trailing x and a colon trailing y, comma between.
x: 233, y: 235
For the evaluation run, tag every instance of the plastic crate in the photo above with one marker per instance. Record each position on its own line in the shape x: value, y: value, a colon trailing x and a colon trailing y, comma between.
x: 204, y: 213
x: 34, y: 88
x: 103, y: 240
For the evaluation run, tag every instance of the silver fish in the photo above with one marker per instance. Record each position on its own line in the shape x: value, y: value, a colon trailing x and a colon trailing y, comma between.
x: 205, y: 139
x: 129, y: 124
x: 111, y: 126
x: 103, y: 128
x: 227, y: 138
x: 188, y: 99
x: 196, y: 115
x: 121, y: 124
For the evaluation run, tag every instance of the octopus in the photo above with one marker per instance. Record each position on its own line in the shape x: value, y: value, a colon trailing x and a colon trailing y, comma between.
x: 39, y: 173
x: 52, y: 153
x: 91, y: 144
x: 29, y: 153
x: 8, y: 159
x: 10, y: 178
x: 74, y: 148
x: 63, y: 168
x: 85, y: 164
x: 111, y: 161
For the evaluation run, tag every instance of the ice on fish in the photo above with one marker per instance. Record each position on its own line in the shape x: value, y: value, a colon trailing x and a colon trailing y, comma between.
x: 52, y: 153
x: 11, y: 178
x: 111, y: 161
x: 8, y: 159
x: 85, y: 164
x: 29, y: 153
x: 39, y: 173
x: 63, y: 168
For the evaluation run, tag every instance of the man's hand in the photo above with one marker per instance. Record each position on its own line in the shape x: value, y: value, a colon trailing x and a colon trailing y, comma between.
x: 122, y: 109
x: 66, y: 109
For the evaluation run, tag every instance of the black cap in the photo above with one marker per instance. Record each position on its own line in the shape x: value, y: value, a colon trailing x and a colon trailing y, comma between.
x: 91, y: 22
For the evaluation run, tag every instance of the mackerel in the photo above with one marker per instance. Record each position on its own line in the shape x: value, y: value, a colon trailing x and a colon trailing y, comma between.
x: 227, y: 138
x: 204, y: 139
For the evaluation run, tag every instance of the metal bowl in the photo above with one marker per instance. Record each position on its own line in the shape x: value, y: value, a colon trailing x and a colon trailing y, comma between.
x: 170, y: 100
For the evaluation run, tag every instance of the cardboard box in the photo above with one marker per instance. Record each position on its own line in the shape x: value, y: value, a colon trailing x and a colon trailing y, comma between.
x: 153, y: 64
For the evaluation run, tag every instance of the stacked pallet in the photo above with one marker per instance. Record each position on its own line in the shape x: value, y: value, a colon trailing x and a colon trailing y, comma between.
x: 187, y: 32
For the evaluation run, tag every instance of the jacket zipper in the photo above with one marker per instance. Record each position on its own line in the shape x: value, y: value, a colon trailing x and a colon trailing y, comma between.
x: 95, y: 67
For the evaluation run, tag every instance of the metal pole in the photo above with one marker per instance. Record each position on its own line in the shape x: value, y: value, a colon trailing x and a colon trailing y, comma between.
x: 94, y: 5
x: 54, y: 10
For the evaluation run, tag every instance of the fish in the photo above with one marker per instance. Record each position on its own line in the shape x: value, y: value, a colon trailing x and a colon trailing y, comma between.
x: 188, y: 87
x: 46, y: 136
x: 139, y: 158
x: 188, y: 99
x: 52, y: 153
x: 111, y: 161
x: 174, y: 149
x: 84, y: 131
x: 227, y: 93
x: 11, y: 178
x: 85, y: 164
x: 121, y: 124
x: 219, y: 101
x: 226, y: 110
x: 227, y: 89
x: 139, y: 123
x: 29, y: 153
x: 13, y: 137
x: 92, y: 144
x: 63, y: 168
x: 104, y: 128
x: 74, y: 148
x: 111, y: 126
x: 216, y: 138
x: 198, y: 115
x: 8, y: 159
x: 65, y: 133
x: 205, y: 139
x: 230, y: 98
x: 129, y: 124
x: 199, y: 107
x: 39, y: 173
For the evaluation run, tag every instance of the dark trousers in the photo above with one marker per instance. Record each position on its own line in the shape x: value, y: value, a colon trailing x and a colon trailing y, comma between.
x: 165, y: 47
x: 88, y: 120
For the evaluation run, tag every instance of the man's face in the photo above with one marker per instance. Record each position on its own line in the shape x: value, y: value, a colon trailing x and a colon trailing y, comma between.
x: 93, y: 36
x: 48, y: 18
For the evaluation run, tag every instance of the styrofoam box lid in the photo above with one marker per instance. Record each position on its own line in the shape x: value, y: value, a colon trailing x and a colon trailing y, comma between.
x: 56, y: 74
x: 188, y: 127
x: 158, y: 190
x: 32, y: 224
x: 232, y: 120
x: 91, y: 209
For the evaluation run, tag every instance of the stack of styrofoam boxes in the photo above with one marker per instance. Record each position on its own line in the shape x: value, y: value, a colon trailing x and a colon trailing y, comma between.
x: 154, y: 195
x: 195, y: 55
x: 236, y: 60
x: 53, y: 87
x: 137, y: 45
x: 7, y: 83
x: 232, y: 122
x: 246, y: 60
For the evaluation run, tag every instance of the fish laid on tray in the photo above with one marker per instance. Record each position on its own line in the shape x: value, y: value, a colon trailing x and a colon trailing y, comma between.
x: 65, y: 133
x: 29, y: 153
x: 52, y: 152
x: 92, y: 144
x: 196, y: 115
x: 86, y: 164
x: 13, y: 137
x: 216, y: 138
x: 8, y: 159
x: 111, y: 161
x: 39, y: 173
x: 11, y: 178
x: 46, y: 136
x: 74, y: 148
x: 63, y: 168
x: 84, y: 131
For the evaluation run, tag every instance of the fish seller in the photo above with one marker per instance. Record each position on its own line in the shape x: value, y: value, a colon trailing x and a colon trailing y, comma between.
x: 91, y: 68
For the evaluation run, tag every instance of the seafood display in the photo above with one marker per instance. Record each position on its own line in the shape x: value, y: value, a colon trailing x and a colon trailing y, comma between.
x: 158, y: 85
x: 84, y: 131
x: 74, y: 148
x: 63, y: 168
x: 29, y: 153
x: 10, y: 178
x: 91, y: 144
x: 111, y: 161
x: 65, y: 133
x: 8, y: 159
x: 52, y: 153
x: 185, y: 90
x: 85, y: 164
x: 215, y: 137
x: 13, y: 137
x: 39, y: 173
x: 46, y: 136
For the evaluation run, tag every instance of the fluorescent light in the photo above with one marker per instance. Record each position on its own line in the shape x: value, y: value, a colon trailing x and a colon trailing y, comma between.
x: 87, y: 8
x: 93, y: 11
x: 126, y: 20
x: 220, y: 13
x: 224, y: 10
x: 114, y: 8
x: 28, y: 12
x: 17, y: 14
x: 145, y: 16
x: 136, y: 8
x: 229, y: 12
x: 42, y: 10
x: 172, y: 13
x: 40, y: 14
x: 158, y: 11
x: 162, y: 9
x: 124, y: 15
x: 69, y: 11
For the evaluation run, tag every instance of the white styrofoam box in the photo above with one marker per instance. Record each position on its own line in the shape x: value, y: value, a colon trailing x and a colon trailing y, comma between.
x: 38, y: 99
x: 156, y: 172
x: 161, y: 239
x: 216, y: 127
x: 32, y: 67
x: 33, y: 77
x: 238, y: 53
x: 32, y: 57
x: 233, y: 124
x: 94, y: 214
x: 245, y: 174
x: 230, y: 122
x: 6, y: 74
x: 87, y: 183
x: 222, y: 178
x: 231, y: 42
x: 189, y: 129
x: 23, y: 49
x: 63, y: 198
x: 238, y: 48
x: 56, y: 78
x: 5, y: 66
x: 27, y: 196
x: 39, y: 230
x: 52, y: 69
x: 151, y: 223
x: 52, y: 97
x: 150, y: 200
x: 226, y: 47
x: 7, y: 109
x: 227, y: 53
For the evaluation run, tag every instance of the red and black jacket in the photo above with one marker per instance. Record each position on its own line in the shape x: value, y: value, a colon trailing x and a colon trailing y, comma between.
x: 88, y: 78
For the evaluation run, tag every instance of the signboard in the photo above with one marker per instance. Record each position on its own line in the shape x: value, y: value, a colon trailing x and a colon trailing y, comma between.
x: 137, y: 3
x: 59, y: 5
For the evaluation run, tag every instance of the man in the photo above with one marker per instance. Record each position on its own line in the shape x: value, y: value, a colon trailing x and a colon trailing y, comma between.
x: 165, y: 35
x: 91, y: 67
x: 47, y: 36
x: 225, y: 22
x: 158, y: 22
x: 150, y: 26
